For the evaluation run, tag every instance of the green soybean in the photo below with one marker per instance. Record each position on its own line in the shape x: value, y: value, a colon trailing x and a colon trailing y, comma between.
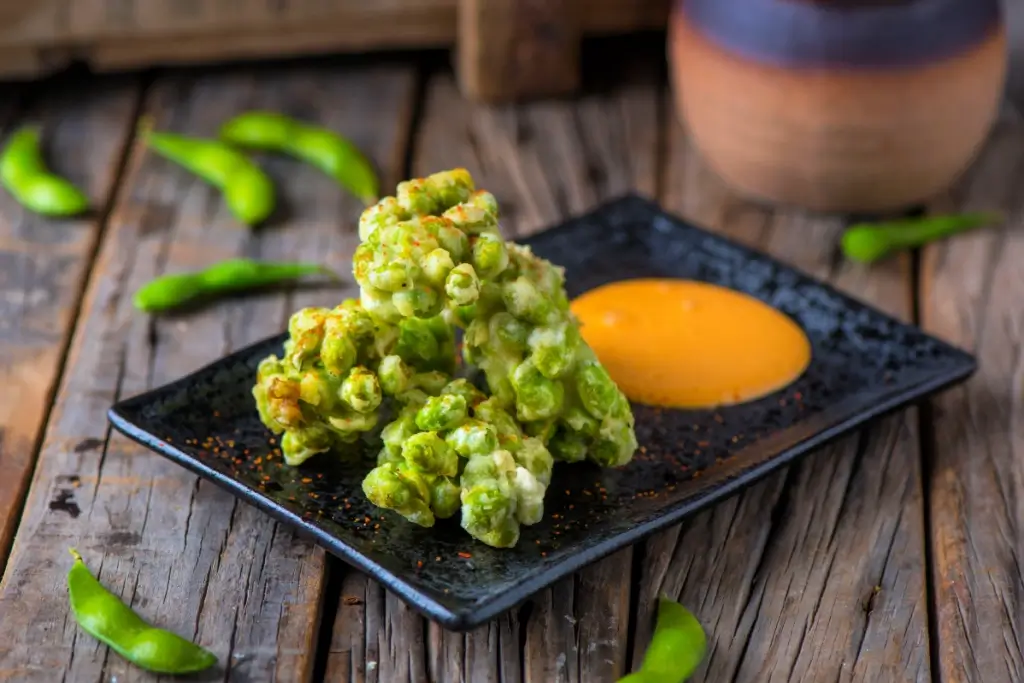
x: 869, y: 242
x: 103, y: 616
x: 233, y: 275
x: 676, y: 648
x: 25, y: 175
x: 324, y: 149
x: 248, y: 191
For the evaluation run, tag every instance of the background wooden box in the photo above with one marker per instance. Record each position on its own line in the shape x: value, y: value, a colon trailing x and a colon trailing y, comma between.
x: 506, y: 49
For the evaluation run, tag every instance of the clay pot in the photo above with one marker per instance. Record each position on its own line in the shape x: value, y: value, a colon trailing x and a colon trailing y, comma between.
x: 839, y: 106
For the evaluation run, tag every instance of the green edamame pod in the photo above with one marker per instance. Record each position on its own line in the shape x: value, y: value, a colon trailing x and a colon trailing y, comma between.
x: 232, y: 275
x: 868, y: 242
x: 26, y: 176
x: 105, y: 617
x: 676, y: 648
x: 324, y: 149
x: 248, y: 191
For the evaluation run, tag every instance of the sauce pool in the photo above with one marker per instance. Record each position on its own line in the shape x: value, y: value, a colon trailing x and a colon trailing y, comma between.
x: 687, y: 344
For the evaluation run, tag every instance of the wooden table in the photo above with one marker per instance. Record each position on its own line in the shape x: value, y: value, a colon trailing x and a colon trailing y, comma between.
x: 893, y: 555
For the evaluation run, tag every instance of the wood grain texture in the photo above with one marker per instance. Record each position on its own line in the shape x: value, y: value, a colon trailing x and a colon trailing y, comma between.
x: 44, y: 263
x: 135, y: 19
x: 971, y: 289
x: 184, y: 553
x: 116, y: 34
x: 508, y: 49
x: 817, y: 573
x: 295, y: 29
x: 543, y: 162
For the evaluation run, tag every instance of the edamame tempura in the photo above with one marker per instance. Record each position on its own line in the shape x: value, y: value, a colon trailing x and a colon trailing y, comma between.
x: 338, y: 366
x: 431, y: 260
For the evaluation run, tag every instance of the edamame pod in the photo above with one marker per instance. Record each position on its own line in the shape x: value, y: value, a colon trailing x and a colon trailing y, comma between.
x: 324, y: 149
x: 26, y: 176
x: 233, y: 275
x: 676, y: 648
x: 105, y: 617
x: 868, y: 242
x: 248, y: 191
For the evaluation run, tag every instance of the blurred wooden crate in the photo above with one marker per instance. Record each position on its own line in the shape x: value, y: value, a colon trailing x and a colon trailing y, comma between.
x: 507, y: 49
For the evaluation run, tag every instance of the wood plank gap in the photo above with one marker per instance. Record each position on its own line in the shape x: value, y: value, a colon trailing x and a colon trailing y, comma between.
x: 636, y: 576
x: 926, y: 455
x: 425, y: 627
x: 926, y: 445
x: 334, y: 575
x: 524, y: 615
x: 424, y: 73
x: 926, y: 425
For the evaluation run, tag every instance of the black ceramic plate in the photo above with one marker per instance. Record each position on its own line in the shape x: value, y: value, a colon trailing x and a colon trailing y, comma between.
x: 864, y: 365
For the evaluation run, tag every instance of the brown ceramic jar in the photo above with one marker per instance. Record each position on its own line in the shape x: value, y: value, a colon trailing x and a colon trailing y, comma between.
x: 841, y: 105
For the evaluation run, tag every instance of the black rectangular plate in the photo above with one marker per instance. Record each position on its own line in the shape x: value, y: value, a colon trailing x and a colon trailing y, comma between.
x: 865, y: 364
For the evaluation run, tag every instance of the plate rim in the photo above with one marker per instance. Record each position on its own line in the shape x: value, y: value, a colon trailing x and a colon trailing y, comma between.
x: 481, y: 610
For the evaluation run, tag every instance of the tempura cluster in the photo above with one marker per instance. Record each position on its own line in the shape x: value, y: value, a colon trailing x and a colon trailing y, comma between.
x: 431, y: 259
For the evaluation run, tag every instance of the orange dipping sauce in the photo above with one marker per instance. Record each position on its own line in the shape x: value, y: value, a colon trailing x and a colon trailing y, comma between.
x: 685, y: 344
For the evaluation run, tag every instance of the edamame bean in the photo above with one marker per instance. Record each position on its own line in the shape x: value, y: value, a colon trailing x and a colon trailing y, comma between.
x: 428, y: 453
x: 248, y: 191
x: 26, y: 176
x: 441, y: 413
x: 317, y: 146
x: 103, y: 616
x: 176, y: 289
x: 397, y: 486
x: 445, y: 497
x: 676, y: 648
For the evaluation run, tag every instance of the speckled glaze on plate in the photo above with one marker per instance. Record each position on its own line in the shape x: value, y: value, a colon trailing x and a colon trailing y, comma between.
x: 864, y: 365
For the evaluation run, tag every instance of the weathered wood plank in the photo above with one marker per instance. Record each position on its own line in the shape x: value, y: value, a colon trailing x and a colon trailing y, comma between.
x: 971, y: 290
x: 44, y: 263
x: 183, y: 552
x: 543, y: 162
x: 44, y: 38
x: 510, y: 49
x: 817, y: 573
